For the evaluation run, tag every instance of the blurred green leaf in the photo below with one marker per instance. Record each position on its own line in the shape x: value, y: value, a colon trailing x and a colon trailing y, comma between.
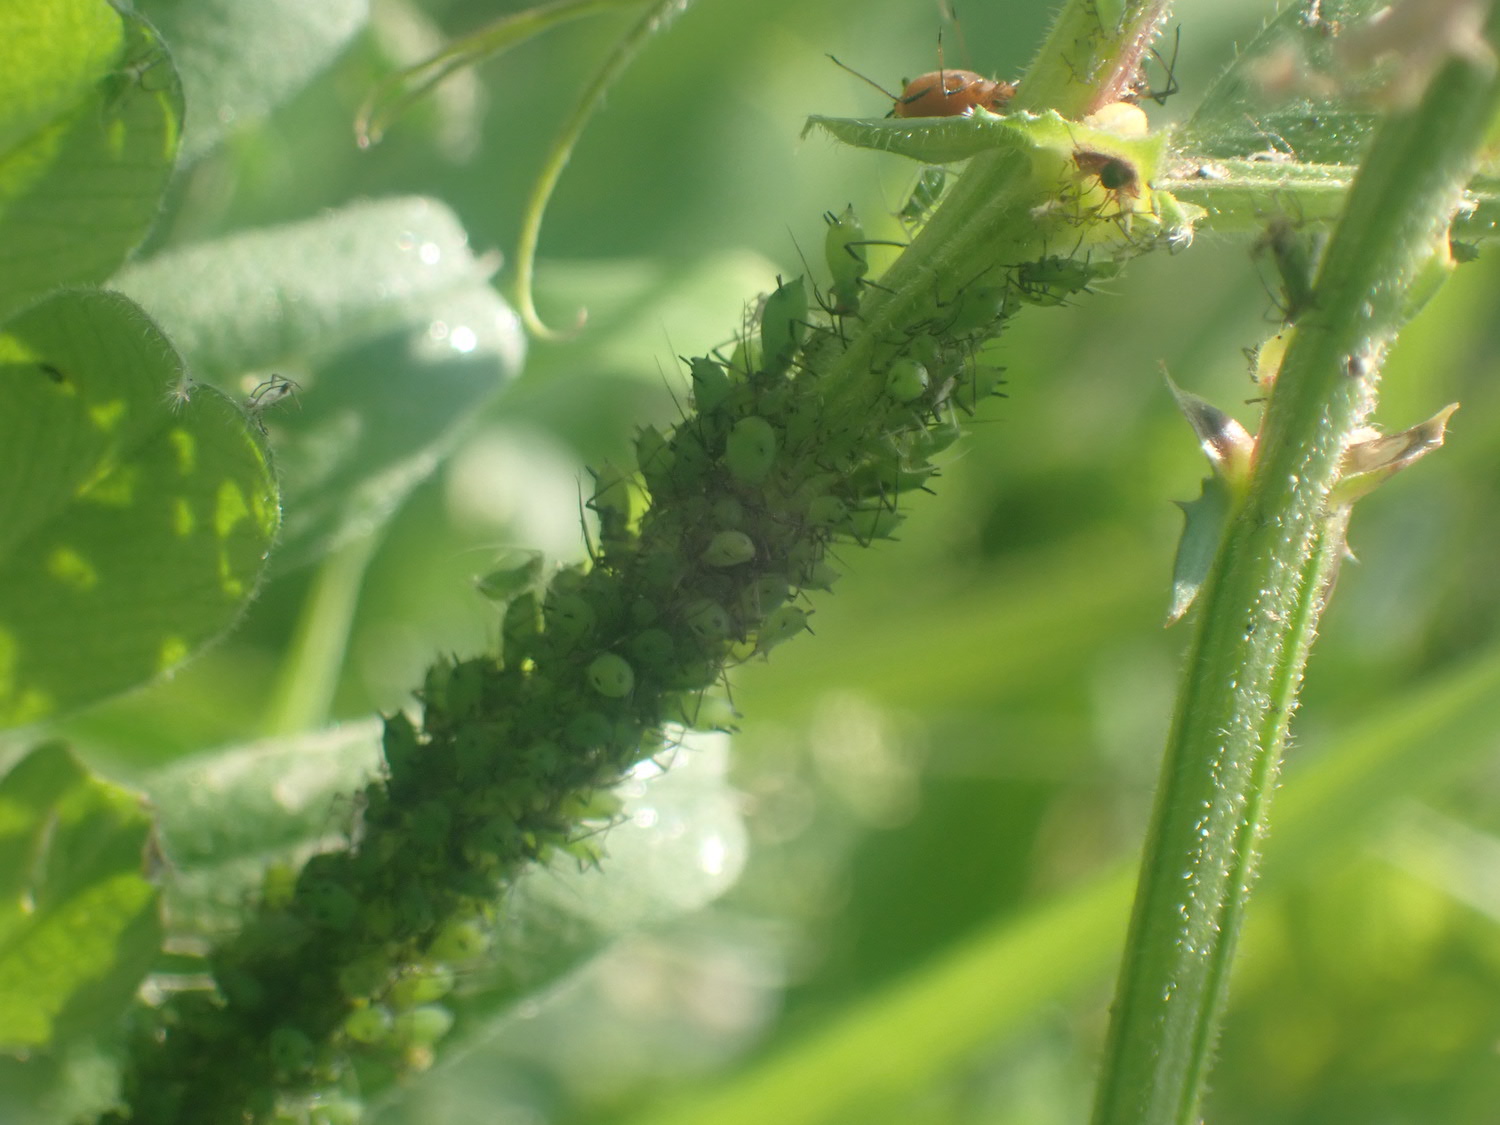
x: 79, y: 924
x: 129, y: 534
x: 90, y: 114
x: 1291, y: 96
x: 239, y: 61
x: 393, y: 330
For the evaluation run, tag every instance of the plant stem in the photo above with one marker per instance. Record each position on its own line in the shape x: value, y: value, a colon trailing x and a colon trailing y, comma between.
x: 1261, y: 605
x: 309, y: 676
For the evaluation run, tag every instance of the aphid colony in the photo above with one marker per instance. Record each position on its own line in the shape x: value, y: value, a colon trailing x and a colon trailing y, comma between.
x: 748, y: 496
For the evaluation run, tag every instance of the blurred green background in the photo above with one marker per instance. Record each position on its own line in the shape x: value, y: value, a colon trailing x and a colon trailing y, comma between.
x: 973, y: 733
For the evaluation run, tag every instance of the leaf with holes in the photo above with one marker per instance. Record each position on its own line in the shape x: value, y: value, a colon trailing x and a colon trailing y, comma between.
x: 131, y: 533
x: 79, y: 922
x: 90, y: 117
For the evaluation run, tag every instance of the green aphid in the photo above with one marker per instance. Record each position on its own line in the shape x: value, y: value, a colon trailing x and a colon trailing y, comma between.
x: 865, y: 525
x: 569, y: 617
x: 653, y: 649
x: 1295, y: 253
x: 750, y: 452
x: 611, y: 676
x: 399, y: 742
x: 1053, y: 278
x: 422, y: 1026
x: 707, y: 620
x: 520, y: 628
x: 783, y: 324
x: 781, y: 625
x: 611, y: 502
x: 369, y: 1025
x: 975, y: 310
x: 711, y: 384
x: 844, y: 251
x: 925, y: 195
x: 906, y: 381
x: 729, y: 548
x: 513, y: 572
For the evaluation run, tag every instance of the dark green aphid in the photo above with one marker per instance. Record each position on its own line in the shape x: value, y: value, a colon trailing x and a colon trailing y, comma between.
x: 783, y: 324
x: 654, y: 458
x: 844, y: 250
x: 513, y: 572
x: 521, y: 626
x: 750, y: 451
x: 588, y: 729
x: 327, y: 904
x: 924, y: 196
x: 727, y: 512
x: 399, y: 742
x: 465, y: 689
x: 653, y: 649
x: 291, y: 1050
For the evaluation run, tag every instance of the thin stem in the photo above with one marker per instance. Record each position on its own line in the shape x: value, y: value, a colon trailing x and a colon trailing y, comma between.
x: 1261, y: 605
x: 309, y: 676
x: 656, y: 19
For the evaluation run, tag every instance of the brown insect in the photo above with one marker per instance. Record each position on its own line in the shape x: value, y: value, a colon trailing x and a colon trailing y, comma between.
x: 951, y: 93
x: 944, y: 93
x: 1115, y: 175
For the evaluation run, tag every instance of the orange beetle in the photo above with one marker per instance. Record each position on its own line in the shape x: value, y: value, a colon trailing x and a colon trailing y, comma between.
x: 943, y: 93
x: 951, y: 93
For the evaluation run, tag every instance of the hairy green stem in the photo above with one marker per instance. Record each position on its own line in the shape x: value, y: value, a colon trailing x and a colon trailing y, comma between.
x: 1261, y: 605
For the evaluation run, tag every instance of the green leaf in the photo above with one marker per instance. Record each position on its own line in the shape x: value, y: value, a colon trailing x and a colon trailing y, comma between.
x: 390, y: 324
x: 79, y: 922
x: 239, y: 61
x: 1201, y: 532
x: 938, y: 140
x: 1288, y: 98
x: 130, y: 535
x: 90, y: 114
